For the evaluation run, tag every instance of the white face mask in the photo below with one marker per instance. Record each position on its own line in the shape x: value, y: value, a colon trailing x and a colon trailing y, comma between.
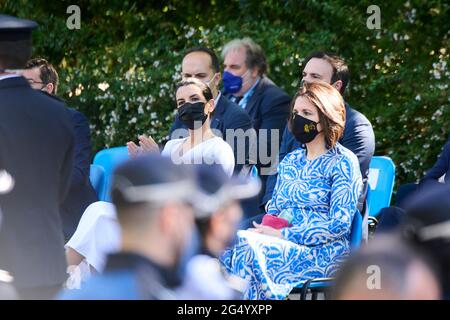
x: 208, y: 83
x: 243, y: 77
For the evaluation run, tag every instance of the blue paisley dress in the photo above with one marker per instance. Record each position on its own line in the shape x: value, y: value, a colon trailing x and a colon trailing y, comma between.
x: 322, y: 196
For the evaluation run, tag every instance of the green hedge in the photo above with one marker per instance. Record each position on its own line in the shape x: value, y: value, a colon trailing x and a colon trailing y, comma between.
x: 400, y: 73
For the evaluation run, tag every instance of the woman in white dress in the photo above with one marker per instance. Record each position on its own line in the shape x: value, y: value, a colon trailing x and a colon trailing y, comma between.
x: 97, y: 233
x: 195, y: 105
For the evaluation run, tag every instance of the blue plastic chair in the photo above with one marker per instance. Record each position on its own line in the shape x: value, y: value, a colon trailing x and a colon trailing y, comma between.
x: 109, y: 159
x: 97, y: 178
x: 381, y: 183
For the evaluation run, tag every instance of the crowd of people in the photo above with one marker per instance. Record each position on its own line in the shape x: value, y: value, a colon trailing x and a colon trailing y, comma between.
x: 254, y: 193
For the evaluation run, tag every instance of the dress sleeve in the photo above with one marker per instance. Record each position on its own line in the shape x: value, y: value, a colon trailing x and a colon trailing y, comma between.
x: 271, y: 207
x: 345, y: 190
x: 225, y: 157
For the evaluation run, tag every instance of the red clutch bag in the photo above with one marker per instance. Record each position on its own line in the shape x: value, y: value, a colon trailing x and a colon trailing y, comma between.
x: 274, y: 222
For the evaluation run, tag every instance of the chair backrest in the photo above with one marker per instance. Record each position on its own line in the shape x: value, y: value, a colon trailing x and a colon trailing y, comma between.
x: 381, y: 183
x: 356, y: 231
x: 97, y: 177
x: 109, y: 159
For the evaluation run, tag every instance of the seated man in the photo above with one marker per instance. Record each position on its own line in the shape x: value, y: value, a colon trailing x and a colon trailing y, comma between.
x: 227, y: 118
x: 358, y: 135
x: 247, y: 83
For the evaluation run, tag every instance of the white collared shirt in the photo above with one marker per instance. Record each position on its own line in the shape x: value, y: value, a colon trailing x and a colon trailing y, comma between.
x: 216, y: 101
x: 7, y: 76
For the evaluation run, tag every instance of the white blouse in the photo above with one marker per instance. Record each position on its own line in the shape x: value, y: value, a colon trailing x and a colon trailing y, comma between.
x: 211, y: 151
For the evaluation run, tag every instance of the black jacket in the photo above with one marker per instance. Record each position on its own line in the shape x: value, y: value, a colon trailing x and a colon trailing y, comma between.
x: 441, y: 167
x: 81, y: 193
x: 36, y: 143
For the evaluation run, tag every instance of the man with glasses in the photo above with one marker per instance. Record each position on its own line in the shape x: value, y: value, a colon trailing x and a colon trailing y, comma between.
x: 42, y: 76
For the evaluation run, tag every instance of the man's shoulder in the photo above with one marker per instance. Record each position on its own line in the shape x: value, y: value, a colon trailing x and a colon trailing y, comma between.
x: 356, y: 117
x: 268, y: 88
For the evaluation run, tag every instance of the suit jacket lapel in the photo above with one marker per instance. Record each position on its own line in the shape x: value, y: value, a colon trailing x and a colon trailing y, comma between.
x: 255, y: 97
x: 216, y: 120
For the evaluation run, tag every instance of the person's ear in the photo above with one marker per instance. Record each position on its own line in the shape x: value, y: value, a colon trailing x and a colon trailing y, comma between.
x: 338, y: 85
x: 217, y: 79
x: 166, y: 218
x: 49, y: 87
x: 255, y: 72
x: 209, y: 106
x: 216, y: 223
x: 319, y: 127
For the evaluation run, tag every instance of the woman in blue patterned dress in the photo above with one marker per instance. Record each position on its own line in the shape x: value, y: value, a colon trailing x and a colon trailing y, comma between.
x: 318, y: 187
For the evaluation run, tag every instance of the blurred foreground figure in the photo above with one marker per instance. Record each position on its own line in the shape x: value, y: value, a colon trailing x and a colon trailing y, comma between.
x: 426, y: 226
x: 37, y: 144
x: 387, y: 269
x: 153, y: 199
x: 7, y: 290
x: 205, y: 277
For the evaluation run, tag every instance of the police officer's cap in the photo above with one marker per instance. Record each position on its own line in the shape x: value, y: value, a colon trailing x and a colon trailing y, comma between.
x: 15, y: 29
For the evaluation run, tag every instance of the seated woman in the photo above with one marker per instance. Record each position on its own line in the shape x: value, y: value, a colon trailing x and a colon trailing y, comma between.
x: 318, y: 187
x: 96, y: 236
x: 195, y: 104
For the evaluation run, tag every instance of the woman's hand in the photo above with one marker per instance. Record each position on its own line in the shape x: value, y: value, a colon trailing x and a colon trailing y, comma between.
x: 259, y: 228
x: 133, y: 149
x: 146, y: 145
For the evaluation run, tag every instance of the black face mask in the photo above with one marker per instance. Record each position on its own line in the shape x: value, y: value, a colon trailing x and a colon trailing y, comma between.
x: 304, y: 130
x: 192, y: 114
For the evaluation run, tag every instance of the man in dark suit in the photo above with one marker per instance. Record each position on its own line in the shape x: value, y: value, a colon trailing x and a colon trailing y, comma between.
x: 36, y: 139
x: 203, y: 64
x: 358, y: 134
x: 245, y: 81
x: 42, y: 76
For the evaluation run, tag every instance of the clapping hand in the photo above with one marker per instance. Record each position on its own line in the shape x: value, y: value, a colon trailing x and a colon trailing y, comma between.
x: 146, y: 145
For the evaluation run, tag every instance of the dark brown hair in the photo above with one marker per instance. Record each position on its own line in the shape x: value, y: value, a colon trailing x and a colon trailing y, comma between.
x: 47, y: 72
x: 194, y: 81
x: 340, y: 68
x: 330, y: 105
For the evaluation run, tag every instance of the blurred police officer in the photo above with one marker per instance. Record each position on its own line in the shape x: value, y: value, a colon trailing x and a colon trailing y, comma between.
x: 36, y: 143
x: 219, y: 199
x: 153, y: 199
x: 426, y: 225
